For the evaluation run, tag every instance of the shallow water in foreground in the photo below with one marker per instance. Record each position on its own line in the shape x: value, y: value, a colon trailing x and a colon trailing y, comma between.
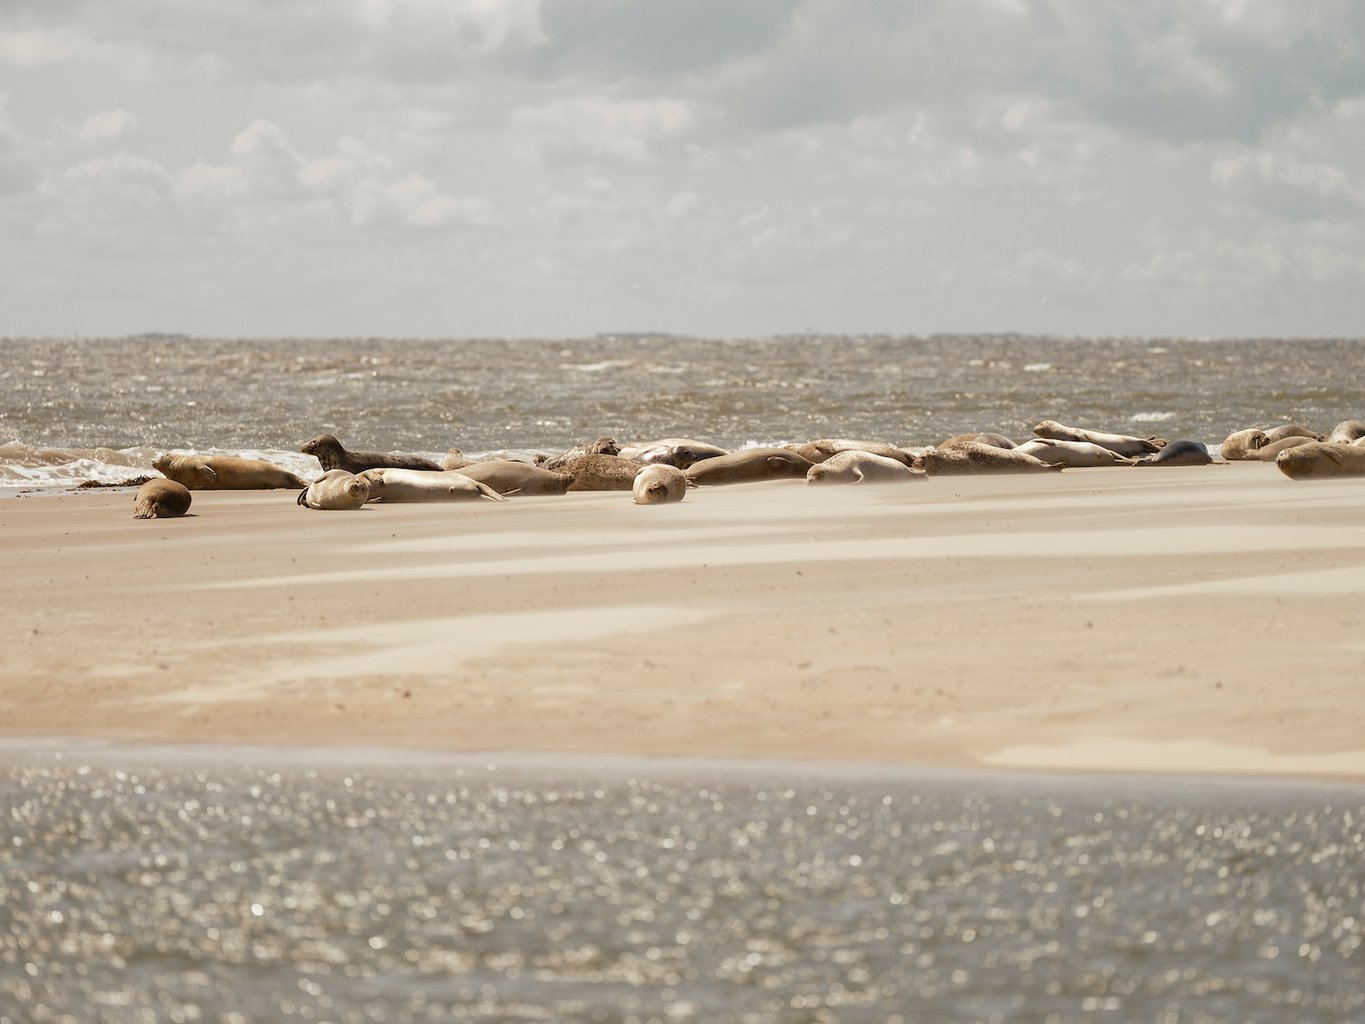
x: 268, y: 886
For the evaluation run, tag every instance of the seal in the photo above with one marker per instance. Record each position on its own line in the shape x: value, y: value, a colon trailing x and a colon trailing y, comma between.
x: 1346, y: 431
x: 410, y: 485
x: 994, y: 440
x: 454, y: 459
x: 328, y: 451
x: 974, y: 457
x: 748, y: 466
x: 827, y: 447
x: 1178, y: 453
x: 674, y: 451
x: 1236, y: 445
x: 861, y: 467
x: 225, y: 473
x: 659, y: 484
x: 1124, y: 444
x: 508, y: 476
x: 602, y: 472
x: 1292, y: 430
x: 601, y: 446
x: 1317, y: 460
x: 1072, y: 453
x: 335, y: 490
x: 1268, y: 451
x: 161, y: 499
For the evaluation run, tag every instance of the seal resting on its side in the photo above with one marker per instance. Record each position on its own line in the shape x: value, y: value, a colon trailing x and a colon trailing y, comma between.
x: 335, y: 490
x: 749, y: 466
x: 674, y: 451
x: 225, y: 473
x: 861, y: 467
x: 987, y: 437
x: 161, y: 499
x: 1124, y: 444
x: 827, y: 447
x: 1320, y: 459
x: 508, y: 476
x: 659, y: 483
x: 975, y: 457
x: 1072, y: 453
x: 1237, y: 444
x: 1346, y: 431
x: 1271, y: 449
x: 1178, y: 453
x: 410, y: 485
x: 602, y: 472
x: 1292, y: 430
x: 328, y: 451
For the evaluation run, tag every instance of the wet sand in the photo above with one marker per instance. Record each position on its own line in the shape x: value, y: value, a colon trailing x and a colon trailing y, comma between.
x: 1194, y: 619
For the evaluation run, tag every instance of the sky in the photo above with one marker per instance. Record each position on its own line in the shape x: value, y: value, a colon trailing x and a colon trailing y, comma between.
x: 715, y: 168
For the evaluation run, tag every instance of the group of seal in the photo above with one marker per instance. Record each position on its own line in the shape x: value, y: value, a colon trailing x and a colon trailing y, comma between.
x: 661, y: 471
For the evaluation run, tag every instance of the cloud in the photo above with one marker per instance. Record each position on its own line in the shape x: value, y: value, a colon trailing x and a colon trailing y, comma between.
x: 599, y: 126
x: 107, y: 126
x: 17, y: 173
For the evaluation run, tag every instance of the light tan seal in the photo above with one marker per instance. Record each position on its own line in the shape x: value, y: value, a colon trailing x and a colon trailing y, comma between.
x: 1269, y: 451
x: 508, y: 476
x: 602, y: 472
x: 974, y: 457
x: 225, y: 473
x: 1237, y: 444
x: 861, y: 467
x: 1346, y: 431
x: 161, y: 499
x: 334, y: 491
x: 1124, y: 444
x: 454, y: 459
x: 1292, y: 430
x: 330, y: 453
x: 749, y: 466
x: 659, y: 484
x: 411, y: 485
x: 1078, y: 454
x: 827, y: 447
x: 1317, y: 460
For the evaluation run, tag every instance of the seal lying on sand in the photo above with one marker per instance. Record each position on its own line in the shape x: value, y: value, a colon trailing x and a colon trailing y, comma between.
x: 1178, y: 453
x: 994, y: 440
x: 335, y: 490
x: 1124, y: 444
x: 673, y: 451
x: 602, y: 472
x: 454, y: 459
x: 1317, y: 460
x: 409, y: 485
x: 507, y: 476
x: 161, y: 499
x: 861, y: 467
x: 601, y: 446
x: 1271, y: 449
x: 748, y: 466
x: 1237, y: 444
x: 658, y: 484
x: 825, y: 448
x: 975, y: 457
x: 328, y: 451
x: 1346, y: 431
x: 225, y: 473
x: 1072, y: 453
x: 1292, y: 430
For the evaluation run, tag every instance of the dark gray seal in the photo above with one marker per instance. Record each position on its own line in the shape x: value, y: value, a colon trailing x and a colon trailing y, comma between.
x: 1178, y: 453
x: 328, y: 451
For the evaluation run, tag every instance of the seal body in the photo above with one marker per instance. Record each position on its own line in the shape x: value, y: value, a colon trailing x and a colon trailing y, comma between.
x: 749, y: 466
x: 861, y: 467
x: 336, y: 490
x: 1237, y: 444
x: 1318, y: 460
x: 827, y: 447
x: 602, y: 472
x: 1346, y: 431
x: 974, y: 457
x: 1178, y: 453
x: 600, y: 446
x: 225, y: 473
x: 454, y: 459
x: 1072, y: 453
x: 1269, y: 451
x: 390, y: 484
x: 507, y: 476
x: 328, y: 451
x: 658, y: 484
x: 161, y: 499
x: 1124, y: 444
x: 674, y: 451
x: 1292, y: 430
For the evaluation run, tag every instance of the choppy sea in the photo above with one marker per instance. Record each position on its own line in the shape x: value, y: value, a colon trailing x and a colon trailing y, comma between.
x: 184, y: 885
x: 102, y: 409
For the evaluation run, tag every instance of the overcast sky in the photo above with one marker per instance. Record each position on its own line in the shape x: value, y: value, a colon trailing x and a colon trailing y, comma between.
x: 558, y: 168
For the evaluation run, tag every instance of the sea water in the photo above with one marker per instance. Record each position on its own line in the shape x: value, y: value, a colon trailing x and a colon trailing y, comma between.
x: 103, y: 409
x: 358, y: 886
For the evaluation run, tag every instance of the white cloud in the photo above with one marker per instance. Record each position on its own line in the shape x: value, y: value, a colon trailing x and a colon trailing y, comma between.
x: 599, y: 126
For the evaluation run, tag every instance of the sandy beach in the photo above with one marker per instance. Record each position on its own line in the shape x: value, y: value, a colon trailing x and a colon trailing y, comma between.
x: 1198, y: 619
